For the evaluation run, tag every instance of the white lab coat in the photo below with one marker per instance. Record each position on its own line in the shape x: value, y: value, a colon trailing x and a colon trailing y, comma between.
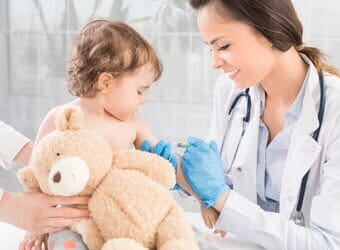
x: 321, y: 206
x: 11, y: 142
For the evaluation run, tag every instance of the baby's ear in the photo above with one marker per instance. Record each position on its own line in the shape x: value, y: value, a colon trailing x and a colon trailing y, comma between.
x: 27, y: 179
x: 105, y: 82
x: 69, y: 118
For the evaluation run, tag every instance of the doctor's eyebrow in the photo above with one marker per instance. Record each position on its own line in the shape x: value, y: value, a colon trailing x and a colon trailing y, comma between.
x: 214, y: 40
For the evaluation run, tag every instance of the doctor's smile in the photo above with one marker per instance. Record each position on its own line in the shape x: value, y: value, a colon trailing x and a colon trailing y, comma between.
x: 232, y: 74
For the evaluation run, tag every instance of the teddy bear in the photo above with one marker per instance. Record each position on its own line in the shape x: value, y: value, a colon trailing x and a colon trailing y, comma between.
x: 131, y: 206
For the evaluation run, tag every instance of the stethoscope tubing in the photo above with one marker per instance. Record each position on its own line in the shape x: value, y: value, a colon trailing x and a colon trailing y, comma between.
x: 298, y: 218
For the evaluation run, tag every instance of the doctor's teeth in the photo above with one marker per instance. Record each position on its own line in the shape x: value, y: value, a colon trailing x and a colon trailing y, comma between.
x: 232, y: 72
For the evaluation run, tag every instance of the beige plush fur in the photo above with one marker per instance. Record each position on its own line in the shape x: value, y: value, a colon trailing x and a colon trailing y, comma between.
x: 131, y: 205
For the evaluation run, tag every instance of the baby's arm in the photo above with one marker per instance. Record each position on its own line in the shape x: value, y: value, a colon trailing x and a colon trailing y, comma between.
x: 144, y: 132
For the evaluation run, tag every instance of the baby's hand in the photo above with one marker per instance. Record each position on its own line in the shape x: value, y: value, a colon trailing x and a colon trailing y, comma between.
x: 34, y: 242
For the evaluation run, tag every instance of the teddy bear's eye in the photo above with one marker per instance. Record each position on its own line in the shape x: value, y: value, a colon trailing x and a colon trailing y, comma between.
x: 58, y: 154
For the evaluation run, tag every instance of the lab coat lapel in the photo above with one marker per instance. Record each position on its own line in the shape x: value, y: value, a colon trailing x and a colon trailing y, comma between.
x: 245, y: 164
x: 303, y: 149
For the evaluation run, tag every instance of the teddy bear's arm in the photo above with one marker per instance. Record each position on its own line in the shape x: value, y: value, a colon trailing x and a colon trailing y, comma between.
x: 149, y: 164
x: 27, y: 179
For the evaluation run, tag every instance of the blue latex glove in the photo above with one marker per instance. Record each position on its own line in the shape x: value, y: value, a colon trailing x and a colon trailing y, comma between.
x: 202, y: 168
x: 162, y: 149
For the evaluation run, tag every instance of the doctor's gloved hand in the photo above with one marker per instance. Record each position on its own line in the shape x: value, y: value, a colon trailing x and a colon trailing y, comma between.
x: 202, y: 168
x: 162, y: 149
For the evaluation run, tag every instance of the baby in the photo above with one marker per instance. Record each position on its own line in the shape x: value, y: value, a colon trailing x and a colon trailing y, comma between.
x: 110, y: 69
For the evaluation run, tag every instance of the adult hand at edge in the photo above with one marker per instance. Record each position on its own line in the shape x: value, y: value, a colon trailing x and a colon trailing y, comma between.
x: 40, y: 213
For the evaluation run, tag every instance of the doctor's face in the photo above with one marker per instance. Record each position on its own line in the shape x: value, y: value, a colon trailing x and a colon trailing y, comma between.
x: 238, y: 49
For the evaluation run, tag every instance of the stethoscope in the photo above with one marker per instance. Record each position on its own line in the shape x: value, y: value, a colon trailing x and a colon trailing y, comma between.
x: 297, y: 216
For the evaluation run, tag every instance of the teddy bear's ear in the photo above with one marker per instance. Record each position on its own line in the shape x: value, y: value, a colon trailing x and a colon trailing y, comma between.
x: 69, y: 118
x: 27, y: 179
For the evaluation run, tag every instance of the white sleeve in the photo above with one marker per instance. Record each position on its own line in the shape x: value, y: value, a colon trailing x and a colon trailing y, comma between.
x: 11, y: 142
x: 271, y: 230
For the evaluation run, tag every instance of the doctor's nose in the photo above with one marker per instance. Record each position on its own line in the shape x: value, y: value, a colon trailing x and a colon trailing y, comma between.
x: 216, y: 61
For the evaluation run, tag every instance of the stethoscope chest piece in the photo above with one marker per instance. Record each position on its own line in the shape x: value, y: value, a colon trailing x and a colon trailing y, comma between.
x: 299, y: 219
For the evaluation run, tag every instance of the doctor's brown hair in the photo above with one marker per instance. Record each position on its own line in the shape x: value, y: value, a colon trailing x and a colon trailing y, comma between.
x: 276, y: 20
x: 106, y: 46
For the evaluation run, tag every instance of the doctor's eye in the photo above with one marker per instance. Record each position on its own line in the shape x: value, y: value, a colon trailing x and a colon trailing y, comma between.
x: 224, y: 47
x: 139, y: 92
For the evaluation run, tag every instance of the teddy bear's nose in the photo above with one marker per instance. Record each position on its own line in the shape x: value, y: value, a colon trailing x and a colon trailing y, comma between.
x: 57, y: 177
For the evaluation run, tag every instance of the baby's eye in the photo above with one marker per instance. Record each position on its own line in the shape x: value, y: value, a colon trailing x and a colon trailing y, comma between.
x: 58, y: 154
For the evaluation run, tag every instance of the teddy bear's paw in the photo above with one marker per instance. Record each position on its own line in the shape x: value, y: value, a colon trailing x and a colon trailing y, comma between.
x: 179, y: 244
x: 123, y: 244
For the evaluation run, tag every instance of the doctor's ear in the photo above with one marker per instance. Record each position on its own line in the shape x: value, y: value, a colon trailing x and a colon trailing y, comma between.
x: 105, y: 82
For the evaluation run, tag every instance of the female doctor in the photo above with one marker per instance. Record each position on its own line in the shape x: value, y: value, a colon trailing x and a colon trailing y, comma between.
x: 286, y: 125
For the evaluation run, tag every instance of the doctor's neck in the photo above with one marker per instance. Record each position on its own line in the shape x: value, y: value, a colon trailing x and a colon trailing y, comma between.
x: 283, y: 83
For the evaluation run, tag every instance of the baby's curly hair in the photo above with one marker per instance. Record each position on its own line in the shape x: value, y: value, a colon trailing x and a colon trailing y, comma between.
x: 107, y: 46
